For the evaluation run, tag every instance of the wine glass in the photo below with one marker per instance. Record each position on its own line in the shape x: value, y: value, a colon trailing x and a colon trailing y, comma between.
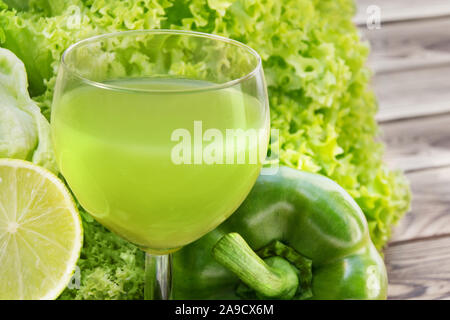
x: 160, y: 134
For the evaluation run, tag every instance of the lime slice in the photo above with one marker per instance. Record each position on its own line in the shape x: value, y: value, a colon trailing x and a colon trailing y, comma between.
x: 40, y: 232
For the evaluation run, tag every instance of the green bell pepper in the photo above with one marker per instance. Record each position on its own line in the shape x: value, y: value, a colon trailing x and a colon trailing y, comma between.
x: 311, y: 238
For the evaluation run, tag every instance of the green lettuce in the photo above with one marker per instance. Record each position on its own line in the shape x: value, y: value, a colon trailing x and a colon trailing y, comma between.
x: 111, y: 268
x: 318, y: 85
x: 24, y: 131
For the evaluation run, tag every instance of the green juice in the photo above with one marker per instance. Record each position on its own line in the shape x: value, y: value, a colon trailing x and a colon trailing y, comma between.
x: 115, y: 148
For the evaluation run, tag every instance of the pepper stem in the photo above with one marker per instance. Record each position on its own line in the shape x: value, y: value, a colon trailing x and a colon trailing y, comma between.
x: 273, y: 277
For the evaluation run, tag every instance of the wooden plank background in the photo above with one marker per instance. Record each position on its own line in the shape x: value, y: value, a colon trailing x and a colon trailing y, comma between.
x: 411, y: 60
x: 401, y: 10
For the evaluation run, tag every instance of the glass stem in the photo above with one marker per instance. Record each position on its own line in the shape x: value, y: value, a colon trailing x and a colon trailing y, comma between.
x: 158, y: 277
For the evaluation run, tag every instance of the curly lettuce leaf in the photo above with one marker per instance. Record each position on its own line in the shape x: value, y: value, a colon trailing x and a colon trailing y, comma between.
x: 111, y: 268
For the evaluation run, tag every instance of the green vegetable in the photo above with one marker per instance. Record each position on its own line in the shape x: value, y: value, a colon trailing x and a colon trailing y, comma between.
x: 110, y: 267
x: 315, y: 69
x: 289, y: 217
x: 24, y: 131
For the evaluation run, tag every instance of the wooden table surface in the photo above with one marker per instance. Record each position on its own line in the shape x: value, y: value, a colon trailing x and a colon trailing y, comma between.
x: 411, y: 58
